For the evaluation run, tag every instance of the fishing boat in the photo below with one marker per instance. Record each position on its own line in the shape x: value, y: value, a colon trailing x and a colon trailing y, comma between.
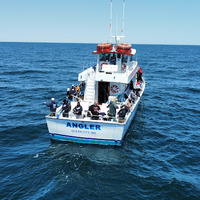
x: 116, y: 71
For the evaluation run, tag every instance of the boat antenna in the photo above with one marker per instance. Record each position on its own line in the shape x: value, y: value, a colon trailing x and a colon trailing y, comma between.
x: 110, y: 27
x: 123, y: 18
x: 117, y: 37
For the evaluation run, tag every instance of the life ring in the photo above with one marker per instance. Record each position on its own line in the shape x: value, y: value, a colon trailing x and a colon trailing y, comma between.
x: 103, y: 64
x: 123, y: 66
x: 104, y: 47
x: 124, y: 48
x: 114, y: 89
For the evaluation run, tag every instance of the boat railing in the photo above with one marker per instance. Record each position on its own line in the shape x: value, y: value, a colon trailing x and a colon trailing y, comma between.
x: 71, y: 115
x: 74, y: 98
x: 101, y: 117
x: 86, y: 116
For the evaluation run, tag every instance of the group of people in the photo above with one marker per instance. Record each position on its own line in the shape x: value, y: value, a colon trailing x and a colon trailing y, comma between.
x: 66, y: 108
x: 74, y: 93
x: 94, y: 110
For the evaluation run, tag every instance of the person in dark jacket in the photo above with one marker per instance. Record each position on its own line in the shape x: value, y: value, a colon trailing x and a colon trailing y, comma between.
x: 72, y: 92
x: 66, y: 107
x: 112, y: 109
x: 122, y: 112
x: 139, y: 75
x: 94, y: 110
x: 78, y: 110
x: 52, y: 105
x: 133, y: 96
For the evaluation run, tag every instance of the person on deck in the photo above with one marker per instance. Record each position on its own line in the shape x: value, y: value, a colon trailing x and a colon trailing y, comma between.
x: 139, y: 75
x: 94, y: 110
x: 78, y: 110
x: 133, y: 96
x: 122, y: 113
x: 82, y: 88
x: 66, y: 107
x: 52, y: 105
x: 78, y: 90
x: 68, y: 93
x: 137, y: 89
x: 119, y: 95
x: 128, y: 104
x: 112, y: 109
x: 72, y: 92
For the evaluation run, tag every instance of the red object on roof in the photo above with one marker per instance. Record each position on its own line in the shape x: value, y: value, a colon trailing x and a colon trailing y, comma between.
x: 124, y: 48
x: 104, y: 47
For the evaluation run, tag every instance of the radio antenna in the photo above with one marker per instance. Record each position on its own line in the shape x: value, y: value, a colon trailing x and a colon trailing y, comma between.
x: 110, y: 27
x: 123, y: 18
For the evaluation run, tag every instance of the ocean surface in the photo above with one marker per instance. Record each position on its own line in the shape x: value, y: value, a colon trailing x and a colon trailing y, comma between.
x: 160, y: 155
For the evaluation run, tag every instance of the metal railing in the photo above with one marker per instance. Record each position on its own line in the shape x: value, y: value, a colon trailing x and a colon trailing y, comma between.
x: 106, y: 117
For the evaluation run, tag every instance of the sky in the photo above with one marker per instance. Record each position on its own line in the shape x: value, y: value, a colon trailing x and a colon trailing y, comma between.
x: 87, y: 21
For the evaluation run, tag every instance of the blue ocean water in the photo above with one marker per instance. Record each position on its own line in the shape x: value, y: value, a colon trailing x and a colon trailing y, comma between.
x: 160, y: 155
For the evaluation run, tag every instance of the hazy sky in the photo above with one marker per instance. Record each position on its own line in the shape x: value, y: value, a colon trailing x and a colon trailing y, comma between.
x: 87, y: 21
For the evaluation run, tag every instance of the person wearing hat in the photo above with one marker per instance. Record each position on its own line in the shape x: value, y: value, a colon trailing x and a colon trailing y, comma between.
x: 68, y: 93
x: 52, y: 105
x: 66, y: 107
x: 72, y: 92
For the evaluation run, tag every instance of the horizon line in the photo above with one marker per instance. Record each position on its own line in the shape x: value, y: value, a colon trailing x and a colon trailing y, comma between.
x: 98, y: 43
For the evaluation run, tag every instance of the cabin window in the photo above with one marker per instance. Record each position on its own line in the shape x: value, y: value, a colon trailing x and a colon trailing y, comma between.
x: 104, y: 57
x: 113, y: 59
x: 124, y: 58
x: 131, y: 58
x: 119, y: 56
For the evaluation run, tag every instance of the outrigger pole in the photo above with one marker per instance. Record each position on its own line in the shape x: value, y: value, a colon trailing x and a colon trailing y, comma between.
x: 110, y: 21
x: 117, y: 38
x: 123, y: 18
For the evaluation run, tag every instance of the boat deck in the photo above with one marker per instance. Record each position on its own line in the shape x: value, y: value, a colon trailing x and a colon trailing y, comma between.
x: 103, y: 117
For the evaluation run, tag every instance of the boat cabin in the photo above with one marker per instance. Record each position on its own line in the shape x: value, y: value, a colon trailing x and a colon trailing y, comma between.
x: 115, y: 70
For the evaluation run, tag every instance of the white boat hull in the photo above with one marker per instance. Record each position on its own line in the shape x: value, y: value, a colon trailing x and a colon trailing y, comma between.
x: 92, y: 132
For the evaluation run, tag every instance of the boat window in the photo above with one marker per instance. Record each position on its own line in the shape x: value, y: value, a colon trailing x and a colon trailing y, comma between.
x: 131, y: 58
x: 113, y: 59
x: 118, y: 55
x: 104, y: 57
x: 124, y: 58
x: 108, y: 57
